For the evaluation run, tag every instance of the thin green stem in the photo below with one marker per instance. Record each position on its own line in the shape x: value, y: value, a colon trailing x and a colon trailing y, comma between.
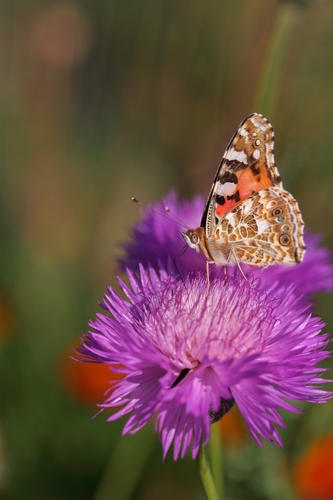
x: 206, y: 475
x: 216, y: 459
x: 274, y: 58
x: 127, y: 461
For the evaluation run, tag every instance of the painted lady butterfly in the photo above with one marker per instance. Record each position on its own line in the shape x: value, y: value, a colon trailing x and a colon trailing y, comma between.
x: 249, y: 218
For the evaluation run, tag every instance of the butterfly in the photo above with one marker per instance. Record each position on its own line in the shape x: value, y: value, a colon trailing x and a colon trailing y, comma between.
x: 249, y: 217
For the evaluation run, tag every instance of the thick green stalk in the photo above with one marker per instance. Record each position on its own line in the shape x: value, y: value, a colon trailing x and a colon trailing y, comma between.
x: 216, y: 459
x: 126, y: 464
x: 274, y: 58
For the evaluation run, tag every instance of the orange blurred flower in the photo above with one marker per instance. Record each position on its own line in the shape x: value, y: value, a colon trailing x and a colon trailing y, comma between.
x: 232, y: 428
x: 313, y: 472
x: 88, y: 382
x: 6, y: 318
x: 60, y: 35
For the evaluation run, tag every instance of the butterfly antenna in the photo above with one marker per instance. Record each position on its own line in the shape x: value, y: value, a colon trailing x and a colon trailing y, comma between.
x: 167, y: 209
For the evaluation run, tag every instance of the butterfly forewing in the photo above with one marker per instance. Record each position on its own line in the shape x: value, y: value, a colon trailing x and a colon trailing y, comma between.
x: 247, y: 166
x: 248, y: 216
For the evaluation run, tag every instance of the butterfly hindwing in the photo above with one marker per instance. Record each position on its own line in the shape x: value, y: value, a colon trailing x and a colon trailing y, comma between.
x: 267, y: 228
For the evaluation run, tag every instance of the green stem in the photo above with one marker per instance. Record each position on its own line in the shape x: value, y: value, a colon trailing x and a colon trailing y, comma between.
x: 274, y: 58
x: 127, y: 461
x: 206, y: 475
x: 216, y: 459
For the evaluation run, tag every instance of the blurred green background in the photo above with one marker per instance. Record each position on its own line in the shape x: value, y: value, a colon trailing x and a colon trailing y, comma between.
x: 100, y: 101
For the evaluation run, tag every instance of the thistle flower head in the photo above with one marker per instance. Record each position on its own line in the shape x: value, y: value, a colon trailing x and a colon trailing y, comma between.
x: 185, y: 353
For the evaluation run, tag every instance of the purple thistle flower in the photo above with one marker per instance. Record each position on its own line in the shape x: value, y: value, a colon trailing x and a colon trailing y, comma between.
x: 156, y: 240
x: 185, y: 354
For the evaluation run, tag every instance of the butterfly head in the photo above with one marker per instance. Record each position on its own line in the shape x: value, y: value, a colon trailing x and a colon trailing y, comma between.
x: 195, y: 238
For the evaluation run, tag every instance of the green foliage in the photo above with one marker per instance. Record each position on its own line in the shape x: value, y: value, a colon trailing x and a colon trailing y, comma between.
x: 101, y: 101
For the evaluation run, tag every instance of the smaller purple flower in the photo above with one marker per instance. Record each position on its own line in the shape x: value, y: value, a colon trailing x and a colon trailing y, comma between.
x: 188, y: 355
x: 156, y: 240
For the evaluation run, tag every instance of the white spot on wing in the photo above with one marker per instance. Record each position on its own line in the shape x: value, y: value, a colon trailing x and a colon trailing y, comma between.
x: 243, y: 132
x: 262, y: 226
x: 225, y: 189
x: 256, y: 154
x: 257, y: 123
x: 240, y: 156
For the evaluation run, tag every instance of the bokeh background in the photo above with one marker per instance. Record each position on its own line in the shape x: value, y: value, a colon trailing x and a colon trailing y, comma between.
x: 101, y: 100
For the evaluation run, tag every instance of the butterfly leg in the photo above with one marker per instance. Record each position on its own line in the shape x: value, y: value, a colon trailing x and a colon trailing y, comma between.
x: 241, y: 270
x: 225, y: 274
x: 207, y: 274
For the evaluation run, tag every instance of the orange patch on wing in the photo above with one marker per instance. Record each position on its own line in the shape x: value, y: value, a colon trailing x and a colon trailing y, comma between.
x: 221, y: 210
x: 250, y: 183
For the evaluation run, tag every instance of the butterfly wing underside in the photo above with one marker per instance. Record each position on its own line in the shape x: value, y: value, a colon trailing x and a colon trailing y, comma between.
x: 267, y: 228
x: 249, y: 218
x: 247, y: 167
